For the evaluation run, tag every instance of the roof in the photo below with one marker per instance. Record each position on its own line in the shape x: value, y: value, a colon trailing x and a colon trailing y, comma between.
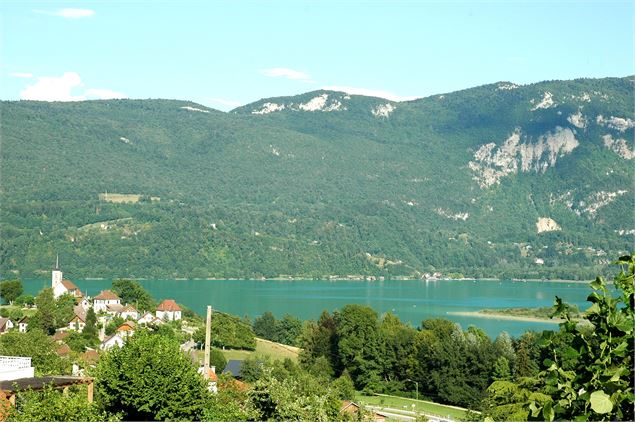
x: 39, y: 383
x: 211, y: 375
x: 3, y: 322
x: 63, y: 350
x: 168, y: 305
x: 60, y: 335
x: 79, y: 312
x: 114, y: 307
x: 90, y: 356
x: 70, y: 285
x: 107, y: 295
x: 127, y: 326
x: 24, y: 319
x: 129, y: 308
x: 233, y: 367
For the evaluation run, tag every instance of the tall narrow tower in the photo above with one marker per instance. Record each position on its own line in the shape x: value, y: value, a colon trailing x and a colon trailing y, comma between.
x: 208, y: 338
x: 56, y: 274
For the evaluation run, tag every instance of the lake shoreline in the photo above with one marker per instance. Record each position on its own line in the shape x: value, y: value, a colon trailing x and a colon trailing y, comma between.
x: 491, y: 315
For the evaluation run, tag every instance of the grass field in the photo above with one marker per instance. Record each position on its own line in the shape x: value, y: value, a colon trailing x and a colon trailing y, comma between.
x: 275, y: 351
x: 11, y: 308
x: 406, y: 404
x: 119, y: 198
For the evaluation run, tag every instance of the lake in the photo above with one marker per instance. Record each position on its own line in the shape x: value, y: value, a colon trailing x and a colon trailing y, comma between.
x: 411, y: 301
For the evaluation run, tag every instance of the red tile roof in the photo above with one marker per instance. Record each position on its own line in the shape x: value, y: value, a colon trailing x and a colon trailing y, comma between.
x: 90, y: 356
x: 168, y: 305
x: 63, y: 350
x: 69, y: 285
x: 60, y: 335
x: 107, y: 295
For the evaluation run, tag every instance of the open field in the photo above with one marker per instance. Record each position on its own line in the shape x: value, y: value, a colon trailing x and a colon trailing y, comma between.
x: 428, y: 407
x: 264, y: 347
x: 119, y: 198
x: 12, y: 308
x: 494, y: 315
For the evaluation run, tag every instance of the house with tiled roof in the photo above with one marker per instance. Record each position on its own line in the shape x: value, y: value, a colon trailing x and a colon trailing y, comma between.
x: 111, y: 341
x: 127, y: 329
x: 5, y: 325
x: 23, y: 324
x: 149, y: 318
x: 105, y: 298
x: 168, y: 310
x: 78, y: 322
x: 211, y: 377
x: 129, y: 312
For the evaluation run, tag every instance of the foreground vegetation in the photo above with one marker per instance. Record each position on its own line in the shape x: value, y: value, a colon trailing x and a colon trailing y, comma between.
x: 583, y: 371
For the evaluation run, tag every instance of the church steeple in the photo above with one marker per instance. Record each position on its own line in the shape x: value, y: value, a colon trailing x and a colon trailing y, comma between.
x: 56, y: 274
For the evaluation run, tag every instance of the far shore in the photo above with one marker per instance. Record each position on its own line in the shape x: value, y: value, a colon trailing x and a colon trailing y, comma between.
x: 479, y: 314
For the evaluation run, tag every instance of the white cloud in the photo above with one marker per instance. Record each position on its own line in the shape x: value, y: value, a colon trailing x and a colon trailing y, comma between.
x: 21, y: 75
x: 370, y: 93
x: 60, y: 88
x: 104, y: 94
x: 283, y: 72
x: 51, y: 88
x: 69, y: 13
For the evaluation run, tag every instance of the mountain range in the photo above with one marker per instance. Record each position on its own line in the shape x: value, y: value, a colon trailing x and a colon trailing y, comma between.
x: 501, y: 180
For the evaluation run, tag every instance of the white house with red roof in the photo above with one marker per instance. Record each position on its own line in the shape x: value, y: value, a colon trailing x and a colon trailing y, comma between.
x: 61, y: 286
x: 168, y: 309
x: 78, y: 322
x: 103, y: 300
x: 129, y: 312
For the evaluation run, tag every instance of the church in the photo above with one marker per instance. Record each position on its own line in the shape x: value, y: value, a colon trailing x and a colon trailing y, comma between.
x: 61, y: 286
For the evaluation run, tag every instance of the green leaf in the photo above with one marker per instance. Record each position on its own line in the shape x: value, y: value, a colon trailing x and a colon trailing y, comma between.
x: 601, y: 402
x: 547, y: 412
x: 597, y: 284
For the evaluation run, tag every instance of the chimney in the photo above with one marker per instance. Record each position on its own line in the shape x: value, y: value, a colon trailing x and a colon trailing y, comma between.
x: 208, y: 337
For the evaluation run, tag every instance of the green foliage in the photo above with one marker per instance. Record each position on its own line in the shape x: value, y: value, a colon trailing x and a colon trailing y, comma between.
x: 285, y: 331
x: 116, y: 322
x: 25, y: 300
x: 598, y: 382
x: 39, y: 347
x: 45, y: 317
x: 230, y: 403
x: 217, y: 359
x: 52, y: 405
x: 90, y: 329
x: 150, y: 378
x: 10, y: 290
x: 230, y: 331
x: 300, y: 397
x: 323, y: 204
x: 132, y: 293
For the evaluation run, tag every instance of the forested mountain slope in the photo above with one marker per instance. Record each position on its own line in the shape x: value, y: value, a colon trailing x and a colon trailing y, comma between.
x: 498, y: 180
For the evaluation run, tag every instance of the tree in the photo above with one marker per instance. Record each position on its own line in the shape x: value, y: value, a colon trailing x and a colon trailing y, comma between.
x: 53, y: 405
x: 44, y: 318
x: 265, y: 326
x: 150, y: 378
x: 41, y: 348
x: 90, y: 329
x: 64, y: 310
x: 25, y: 300
x: 287, y: 330
x: 599, y: 385
x: 132, y: 292
x: 10, y: 290
x: 230, y: 403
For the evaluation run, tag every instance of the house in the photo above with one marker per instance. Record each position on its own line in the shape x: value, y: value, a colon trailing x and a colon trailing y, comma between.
x: 78, y: 322
x: 60, y: 336
x: 114, y: 309
x: 129, y: 312
x: 61, y: 286
x: 23, y: 324
x: 211, y: 377
x: 5, y: 325
x: 112, y: 341
x: 64, y: 350
x: 127, y: 329
x: 168, y: 310
x: 148, y: 318
x: 15, y: 367
x: 105, y: 298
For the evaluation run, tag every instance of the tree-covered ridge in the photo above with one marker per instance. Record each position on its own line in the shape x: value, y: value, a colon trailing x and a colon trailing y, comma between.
x: 452, y: 183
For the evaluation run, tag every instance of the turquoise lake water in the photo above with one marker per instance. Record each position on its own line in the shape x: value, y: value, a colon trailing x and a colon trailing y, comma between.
x: 411, y: 301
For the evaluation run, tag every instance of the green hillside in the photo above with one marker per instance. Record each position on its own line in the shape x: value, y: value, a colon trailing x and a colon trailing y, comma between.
x: 323, y: 184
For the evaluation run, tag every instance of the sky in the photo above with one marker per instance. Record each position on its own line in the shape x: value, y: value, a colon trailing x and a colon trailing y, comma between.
x: 223, y: 54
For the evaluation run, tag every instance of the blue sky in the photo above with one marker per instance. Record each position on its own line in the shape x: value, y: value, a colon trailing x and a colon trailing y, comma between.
x: 225, y: 54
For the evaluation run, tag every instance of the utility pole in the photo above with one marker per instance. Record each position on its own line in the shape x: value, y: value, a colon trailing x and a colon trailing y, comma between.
x: 416, y: 386
x: 208, y: 338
